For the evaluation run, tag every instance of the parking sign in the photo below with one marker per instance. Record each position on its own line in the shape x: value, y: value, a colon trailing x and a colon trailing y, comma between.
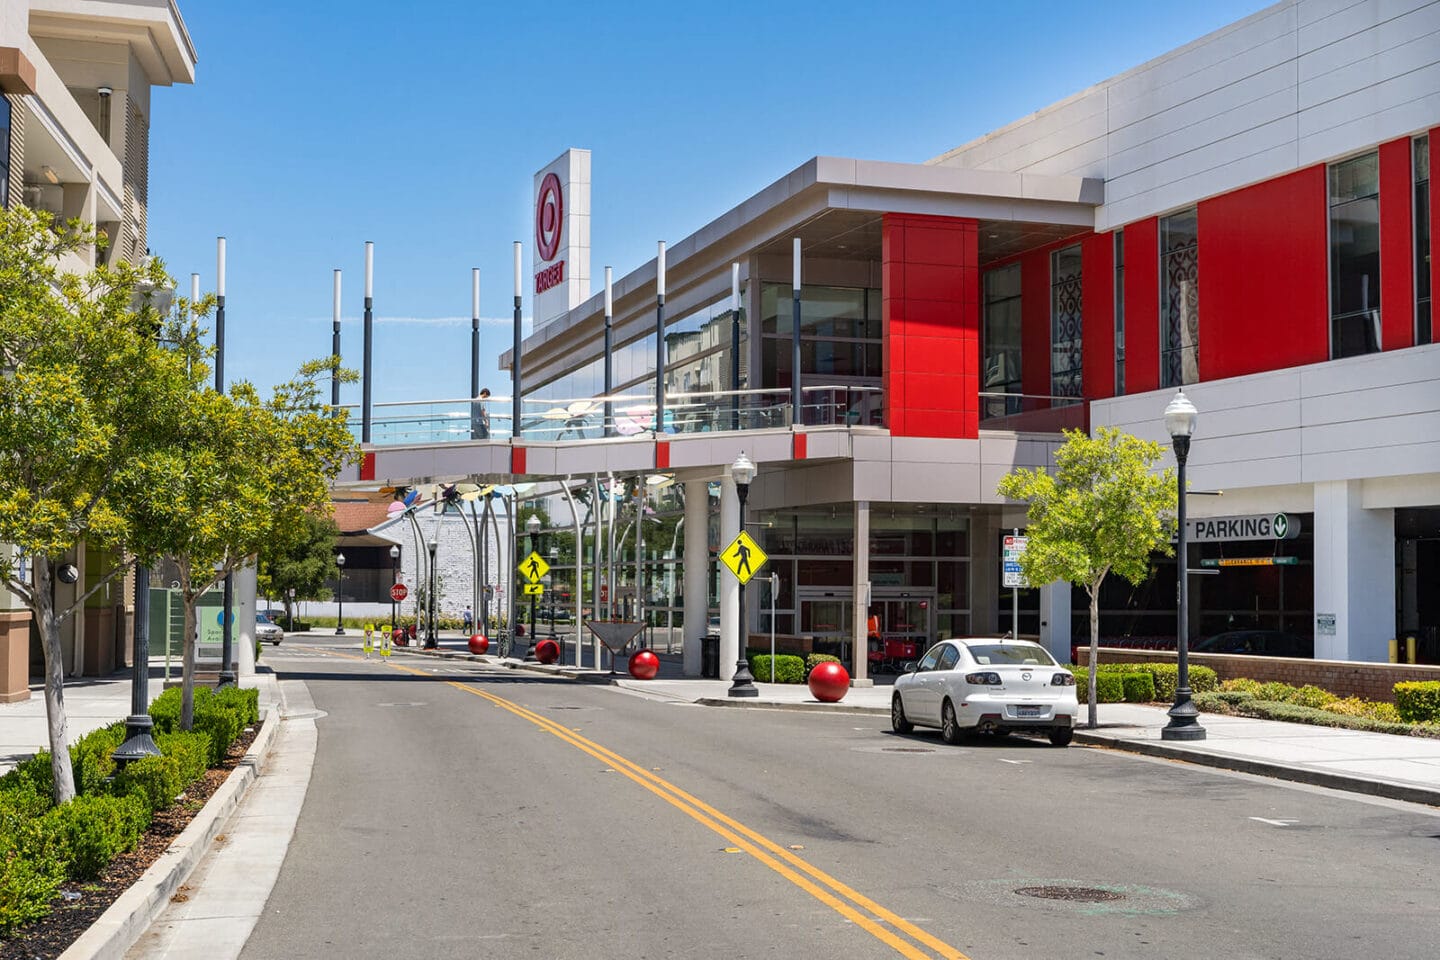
x: 1010, y: 562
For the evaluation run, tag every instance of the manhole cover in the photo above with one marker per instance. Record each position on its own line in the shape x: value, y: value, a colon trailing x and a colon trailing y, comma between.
x: 1071, y: 894
x: 906, y: 750
x: 567, y: 708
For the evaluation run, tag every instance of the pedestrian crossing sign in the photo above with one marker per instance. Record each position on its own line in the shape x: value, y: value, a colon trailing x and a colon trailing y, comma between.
x: 534, y: 568
x: 744, y: 557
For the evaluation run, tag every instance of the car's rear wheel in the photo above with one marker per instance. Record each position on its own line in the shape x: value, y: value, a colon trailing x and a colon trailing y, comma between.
x: 1061, y: 736
x: 898, y: 722
x: 949, y: 726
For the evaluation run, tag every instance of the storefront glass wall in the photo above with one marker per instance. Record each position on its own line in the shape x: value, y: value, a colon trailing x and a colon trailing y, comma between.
x: 1065, y: 322
x: 1001, y: 341
x: 1355, y: 256
x: 1424, y: 323
x: 1180, y: 302
x: 840, y: 341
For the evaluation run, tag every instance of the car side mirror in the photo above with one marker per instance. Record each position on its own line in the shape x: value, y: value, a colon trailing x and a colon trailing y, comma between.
x: 911, y: 666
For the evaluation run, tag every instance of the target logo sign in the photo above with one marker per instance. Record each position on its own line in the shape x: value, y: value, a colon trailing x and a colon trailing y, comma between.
x: 549, y: 216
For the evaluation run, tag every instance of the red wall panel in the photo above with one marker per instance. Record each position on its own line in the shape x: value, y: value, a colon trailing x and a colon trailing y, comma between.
x: 931, y: 325
x: 1035, y: 324
x: 1397, y: 245
x: 1097, y: 291
x: 1142, y: 306
x: 1264, y: 300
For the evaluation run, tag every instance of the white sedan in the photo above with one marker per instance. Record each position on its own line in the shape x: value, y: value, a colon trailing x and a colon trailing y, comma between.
x: 992, y: 685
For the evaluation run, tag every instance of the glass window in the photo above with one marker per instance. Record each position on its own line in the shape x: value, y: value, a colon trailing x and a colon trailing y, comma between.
x: 948, y: 658
x: 1424, y: 319
x: 1355, y: 256
x: 1011, y: 653
x: 1180, y: 301
x: 1119, y: 313
x: 932, y: 656
x: 1001, y: 341
x: 1065, y: 322
x: 4, y: 151
x: 840, y: 336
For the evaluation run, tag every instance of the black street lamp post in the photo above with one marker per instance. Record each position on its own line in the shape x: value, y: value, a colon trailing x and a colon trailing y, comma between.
x: 138, y: 741
x: 340, y: 595
x: 1180, y: 418
x: 743, y: 683
x: 532, y: 528
x: 394, y: 579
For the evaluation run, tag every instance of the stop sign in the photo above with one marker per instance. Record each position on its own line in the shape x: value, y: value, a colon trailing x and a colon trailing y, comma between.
x: 399, y: 592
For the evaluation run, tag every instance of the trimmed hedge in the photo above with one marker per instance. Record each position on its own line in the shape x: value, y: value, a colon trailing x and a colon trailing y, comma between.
x: 42, y: 845
x: 813, y: 660
x: 786, y: 668
x: 1418, y: 701
x: 1236, y: 703
x: 1138, y: 687
x: 1164, y: 677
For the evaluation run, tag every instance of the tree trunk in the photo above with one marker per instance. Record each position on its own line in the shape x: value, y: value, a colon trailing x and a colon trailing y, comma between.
x: 1094, y: 651
x: 57, y: 725
x: 187, y: 675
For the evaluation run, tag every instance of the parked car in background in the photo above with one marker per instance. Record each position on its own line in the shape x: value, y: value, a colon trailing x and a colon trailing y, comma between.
x: 267, y: 630
x: 1256, y: 643
x: 994, y: 685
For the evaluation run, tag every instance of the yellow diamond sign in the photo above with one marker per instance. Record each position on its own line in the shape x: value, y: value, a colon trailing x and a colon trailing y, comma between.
x: 744, y: 557
x: 534, y: 568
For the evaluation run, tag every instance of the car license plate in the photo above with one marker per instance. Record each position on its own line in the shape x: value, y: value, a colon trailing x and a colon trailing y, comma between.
x: 1027, y: 711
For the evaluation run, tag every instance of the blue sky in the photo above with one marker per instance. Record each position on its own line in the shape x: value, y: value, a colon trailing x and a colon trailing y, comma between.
x: 315, y: 126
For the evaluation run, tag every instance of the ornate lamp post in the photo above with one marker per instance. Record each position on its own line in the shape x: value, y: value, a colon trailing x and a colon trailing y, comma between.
x: 1180, y: 418
x: 340, y: 596
x: 743, y: 684
x: 432, y: 640
x: 532, y: 529
x: 394, y: 579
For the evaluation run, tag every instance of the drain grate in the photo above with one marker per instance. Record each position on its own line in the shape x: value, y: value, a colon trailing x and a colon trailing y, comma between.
x: 1071, y: 894
x: 906, y: 750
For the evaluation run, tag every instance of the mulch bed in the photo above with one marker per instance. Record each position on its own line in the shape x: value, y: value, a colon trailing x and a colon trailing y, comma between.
x: 80, y: 904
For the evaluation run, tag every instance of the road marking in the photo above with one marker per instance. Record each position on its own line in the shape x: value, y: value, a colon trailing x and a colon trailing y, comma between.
x: 1003, y: 760
x: 1275, y: 823
x: 763, y: 849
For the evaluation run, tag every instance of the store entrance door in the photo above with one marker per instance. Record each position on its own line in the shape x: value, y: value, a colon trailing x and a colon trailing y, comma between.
x: 907, y: 623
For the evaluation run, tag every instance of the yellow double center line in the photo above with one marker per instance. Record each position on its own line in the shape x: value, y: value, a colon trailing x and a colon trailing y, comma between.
x: 879, y: 922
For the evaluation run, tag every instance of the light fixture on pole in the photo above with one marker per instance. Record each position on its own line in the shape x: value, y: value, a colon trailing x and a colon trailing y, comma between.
x: 394, y: 579
x: 515, y: 366
x: 797, y: 413
x: 1180, y: 418
x: 368, y: 336
x: 532, y: 529
x: 335, y: 347
x: 609, y: 368
x: 227, y: 602
x: 742, y: 471
x: 432, y: 640
x: 660, y: 337
x: 340, y: 595
x: 734, y: 346
x: 475, y: 347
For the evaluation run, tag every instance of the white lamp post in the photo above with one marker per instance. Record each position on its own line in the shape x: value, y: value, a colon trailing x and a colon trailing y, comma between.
x: 1180, y: 419
x: 742, y: 471
x: 340, y: 596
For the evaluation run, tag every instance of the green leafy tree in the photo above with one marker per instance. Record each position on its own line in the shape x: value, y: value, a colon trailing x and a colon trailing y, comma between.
x: 238, y: 472
x: 1103, y: 510
x: 300, y: 559
x: 85, y: 392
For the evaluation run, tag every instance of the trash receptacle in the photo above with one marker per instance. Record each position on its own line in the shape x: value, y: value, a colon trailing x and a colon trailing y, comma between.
x: 710, y: 656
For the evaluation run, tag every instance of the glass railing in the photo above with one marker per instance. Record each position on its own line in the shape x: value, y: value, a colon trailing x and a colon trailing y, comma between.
x: 629, y: 415
x: 1031, y: 413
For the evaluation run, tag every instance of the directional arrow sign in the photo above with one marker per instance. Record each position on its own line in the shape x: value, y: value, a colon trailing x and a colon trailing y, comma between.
x: 744, y: 557
x: 534, y: 589
x: 534, y: 568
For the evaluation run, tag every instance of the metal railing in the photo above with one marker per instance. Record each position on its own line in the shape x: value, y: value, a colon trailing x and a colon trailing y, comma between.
x: 630, y: 415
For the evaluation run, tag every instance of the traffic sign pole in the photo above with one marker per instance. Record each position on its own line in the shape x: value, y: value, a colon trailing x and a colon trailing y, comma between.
x: 1015, y: 597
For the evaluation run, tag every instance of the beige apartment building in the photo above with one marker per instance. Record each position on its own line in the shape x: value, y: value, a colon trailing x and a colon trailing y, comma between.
x: 75, y: 117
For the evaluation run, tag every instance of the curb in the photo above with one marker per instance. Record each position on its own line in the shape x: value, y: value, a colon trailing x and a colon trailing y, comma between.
x: 817, y: 706
x: 1262, y: 768
x: 117, y: 929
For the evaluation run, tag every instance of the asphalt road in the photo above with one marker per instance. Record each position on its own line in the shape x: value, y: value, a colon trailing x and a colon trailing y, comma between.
x: 459, y: 811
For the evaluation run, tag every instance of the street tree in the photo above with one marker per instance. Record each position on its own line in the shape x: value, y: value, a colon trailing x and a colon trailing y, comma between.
x: 85, y: 392
x: 238, y: 472
x: 1103, y: 510
x: 297, y: 563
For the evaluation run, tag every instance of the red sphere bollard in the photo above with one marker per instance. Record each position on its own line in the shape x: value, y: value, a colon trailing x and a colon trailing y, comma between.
x: 400, y: 639
x: 547, y: 651
x: 644, y: 665
x: 478, y: 644
x: 829, y: 682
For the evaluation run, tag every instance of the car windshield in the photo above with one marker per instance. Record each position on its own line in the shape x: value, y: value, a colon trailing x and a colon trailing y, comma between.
x: 261, y: 618
x: 1022, y: 653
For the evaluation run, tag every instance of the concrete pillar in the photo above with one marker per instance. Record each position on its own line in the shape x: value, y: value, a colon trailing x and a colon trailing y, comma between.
x: 985, y: 574
x: 697, y: 556
x: 860, y: 579
x: 245, y: 591
x: 1354, y: 575
x: 1055, y: 619
x: 729, y: 586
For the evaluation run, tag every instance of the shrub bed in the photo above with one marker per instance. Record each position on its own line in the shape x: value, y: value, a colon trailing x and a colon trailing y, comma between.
x: 782, y: 668
x: 1163, y: 679
x: 1241, y: 704
x: 1418, y: 701
x: 42, y: 846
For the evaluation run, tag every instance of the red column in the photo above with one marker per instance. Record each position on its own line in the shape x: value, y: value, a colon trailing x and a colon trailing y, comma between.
x: 1397, y: 245
x: 931, y: 325
x: 1142, y: 306
x: 1097, y: 292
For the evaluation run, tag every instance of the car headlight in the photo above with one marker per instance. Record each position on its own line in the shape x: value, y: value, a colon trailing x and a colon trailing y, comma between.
x: 1063, y: 679
x: 986, y: 678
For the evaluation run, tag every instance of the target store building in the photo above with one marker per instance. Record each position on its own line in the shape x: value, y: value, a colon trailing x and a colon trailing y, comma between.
x: 1248, y: 217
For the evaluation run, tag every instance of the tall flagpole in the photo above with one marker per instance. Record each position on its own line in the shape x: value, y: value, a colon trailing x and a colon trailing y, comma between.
x: 335, y: 349
x: 660, y: 337
x: 369, y: 333
x: 515, y: 381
